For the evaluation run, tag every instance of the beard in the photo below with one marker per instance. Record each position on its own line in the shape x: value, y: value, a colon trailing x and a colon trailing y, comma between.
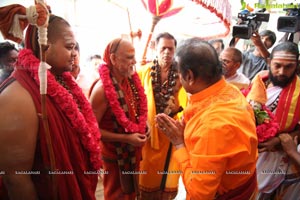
x: 285, y: 80
x: 224, y: 71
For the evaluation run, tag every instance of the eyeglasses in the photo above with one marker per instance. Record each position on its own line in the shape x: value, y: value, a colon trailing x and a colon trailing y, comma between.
x: 115, y: 45
x: 226, y: 61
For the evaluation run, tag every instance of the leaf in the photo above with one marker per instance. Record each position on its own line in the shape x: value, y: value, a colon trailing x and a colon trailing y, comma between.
x: 261, y: 116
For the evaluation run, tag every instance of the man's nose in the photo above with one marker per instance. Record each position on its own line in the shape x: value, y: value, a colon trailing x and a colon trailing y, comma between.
x: 280, y: 71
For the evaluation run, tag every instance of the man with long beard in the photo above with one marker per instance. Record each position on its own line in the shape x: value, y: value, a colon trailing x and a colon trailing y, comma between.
x: 276, y: 173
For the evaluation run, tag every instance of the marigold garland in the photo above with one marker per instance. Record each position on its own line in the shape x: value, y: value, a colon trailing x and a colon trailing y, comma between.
x: 84, y: 120
x: 111, y: 95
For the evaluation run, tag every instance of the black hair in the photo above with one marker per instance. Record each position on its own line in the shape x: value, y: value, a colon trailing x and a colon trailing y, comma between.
x: 201, y: 58
x: 270, y: 34
x: 96, y: 56
x: 288, y: 46
x: 165, y: 35
x: 6, y: 47
x: 217, y: 40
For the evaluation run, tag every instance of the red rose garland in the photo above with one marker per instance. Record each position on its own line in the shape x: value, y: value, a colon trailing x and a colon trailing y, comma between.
x: 84, y: 120
x: 111, y: 95
x: 268, y: 128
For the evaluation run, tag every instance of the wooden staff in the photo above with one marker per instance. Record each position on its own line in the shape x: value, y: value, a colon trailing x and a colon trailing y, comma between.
x: 42, y: 39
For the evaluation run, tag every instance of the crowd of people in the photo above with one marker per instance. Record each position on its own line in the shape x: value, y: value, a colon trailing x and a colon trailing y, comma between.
x: 196, y: 113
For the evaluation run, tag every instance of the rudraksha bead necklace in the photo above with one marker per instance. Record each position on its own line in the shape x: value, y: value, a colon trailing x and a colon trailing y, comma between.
x: 163, y: 91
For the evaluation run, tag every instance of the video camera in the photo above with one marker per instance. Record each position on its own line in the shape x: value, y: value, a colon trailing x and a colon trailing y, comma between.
x: 249, y: 22
x: 290, y: 23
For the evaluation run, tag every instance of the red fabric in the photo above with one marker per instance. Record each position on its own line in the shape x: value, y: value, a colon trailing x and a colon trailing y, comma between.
x: 282, y: 111
x: 69, y: 153
x: 112, y: 189
x: 112, y: 186
x: 106, y: 55
x: 284, y: 103
x: 111, y: 181
x: 244, y: 191
x: 7, y: 14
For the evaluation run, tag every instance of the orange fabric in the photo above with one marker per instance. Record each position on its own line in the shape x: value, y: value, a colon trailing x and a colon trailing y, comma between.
x: 42, y: 14
x: 221, y: 142
x: 7, y: 14
x: 258, y: 91
x: 154, y: 152
x: 112, y: 46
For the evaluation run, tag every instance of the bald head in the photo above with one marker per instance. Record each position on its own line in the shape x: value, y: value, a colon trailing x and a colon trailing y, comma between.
x: 235, y: 53
x: 56, y: 28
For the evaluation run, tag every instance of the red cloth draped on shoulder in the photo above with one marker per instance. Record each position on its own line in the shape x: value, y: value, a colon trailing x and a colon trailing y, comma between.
x: 289, y: 98
x: 288, y: 108
x: 73, y: 156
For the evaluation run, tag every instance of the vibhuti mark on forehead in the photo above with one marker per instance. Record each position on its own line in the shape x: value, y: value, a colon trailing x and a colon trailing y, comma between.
x: 284, y: 56
x: 69, y: 39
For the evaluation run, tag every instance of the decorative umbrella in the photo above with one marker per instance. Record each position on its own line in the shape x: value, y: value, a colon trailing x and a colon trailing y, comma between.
x: 37, y: 15
x: 158, y: 10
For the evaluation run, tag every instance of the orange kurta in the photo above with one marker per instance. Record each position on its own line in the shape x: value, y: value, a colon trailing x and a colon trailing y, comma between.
x: 154, y: 152
x: 221, y: 142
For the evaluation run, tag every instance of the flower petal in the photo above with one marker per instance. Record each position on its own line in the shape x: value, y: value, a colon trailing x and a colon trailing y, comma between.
x: 152, y: 7
x: 171, y: 12
x: 164, y: 6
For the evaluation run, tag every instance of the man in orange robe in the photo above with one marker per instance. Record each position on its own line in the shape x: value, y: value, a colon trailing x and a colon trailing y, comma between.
x: 164, y: 94
x: 216, y: 143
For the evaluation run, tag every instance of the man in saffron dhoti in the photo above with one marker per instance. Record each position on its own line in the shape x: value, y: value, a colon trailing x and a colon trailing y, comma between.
x: 164, y: 95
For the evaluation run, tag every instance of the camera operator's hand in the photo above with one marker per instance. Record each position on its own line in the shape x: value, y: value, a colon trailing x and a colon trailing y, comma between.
x: 255, y: 38
x: 260, y: 47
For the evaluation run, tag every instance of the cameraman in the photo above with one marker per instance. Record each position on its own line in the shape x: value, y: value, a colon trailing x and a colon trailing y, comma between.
x: 255, y: 60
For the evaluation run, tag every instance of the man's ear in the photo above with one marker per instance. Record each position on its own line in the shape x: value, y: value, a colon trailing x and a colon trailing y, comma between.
x: 112, y: 58
x: 190, y: 77
x: 237, y: 65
